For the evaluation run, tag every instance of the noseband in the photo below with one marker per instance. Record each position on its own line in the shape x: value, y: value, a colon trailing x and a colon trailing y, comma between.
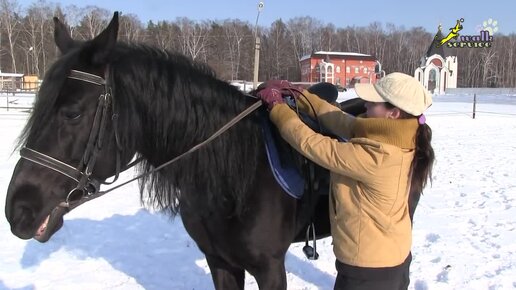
x: 86, y: 185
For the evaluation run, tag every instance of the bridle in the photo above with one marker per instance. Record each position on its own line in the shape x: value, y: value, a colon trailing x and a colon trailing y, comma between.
x: 87, y: 187
x: 86, y: 184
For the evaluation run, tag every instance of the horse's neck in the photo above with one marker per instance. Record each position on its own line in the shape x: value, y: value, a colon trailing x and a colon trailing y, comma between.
x: 171, y: 123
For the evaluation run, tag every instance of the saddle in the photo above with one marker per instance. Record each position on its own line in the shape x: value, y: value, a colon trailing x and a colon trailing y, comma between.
x: 288, y: 166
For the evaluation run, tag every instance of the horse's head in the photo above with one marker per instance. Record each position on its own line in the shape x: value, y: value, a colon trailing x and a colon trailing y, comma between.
x: 69, y: 144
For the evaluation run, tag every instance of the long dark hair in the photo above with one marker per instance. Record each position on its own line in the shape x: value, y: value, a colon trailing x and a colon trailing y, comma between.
x: 423, y: 162
x: 424, y: 158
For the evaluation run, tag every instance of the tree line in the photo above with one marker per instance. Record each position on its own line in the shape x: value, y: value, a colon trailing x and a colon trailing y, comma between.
x: 227, y: 46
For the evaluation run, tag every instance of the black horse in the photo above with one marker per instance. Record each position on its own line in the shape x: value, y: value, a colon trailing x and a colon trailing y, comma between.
x: 102, y: 103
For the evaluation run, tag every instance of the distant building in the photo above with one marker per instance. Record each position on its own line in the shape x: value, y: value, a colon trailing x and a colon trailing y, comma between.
x: 10, y: 81
x: 31, y: 83
x: 438, y: 68
x: 15, y: 82
x: 339, y: 68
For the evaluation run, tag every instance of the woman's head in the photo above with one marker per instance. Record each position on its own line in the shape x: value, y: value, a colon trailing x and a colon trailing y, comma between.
x: 404, y: 92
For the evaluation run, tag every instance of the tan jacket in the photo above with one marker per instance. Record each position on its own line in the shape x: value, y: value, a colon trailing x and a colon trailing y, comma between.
x: 369, y: 180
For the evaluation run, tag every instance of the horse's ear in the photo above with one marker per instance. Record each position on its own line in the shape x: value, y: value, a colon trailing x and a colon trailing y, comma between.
x: 62, y: 36
x: 104, y: 42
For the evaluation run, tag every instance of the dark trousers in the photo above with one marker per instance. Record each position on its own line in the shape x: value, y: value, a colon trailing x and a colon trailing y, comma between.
x: 347, y: 283
x: 398, y: 280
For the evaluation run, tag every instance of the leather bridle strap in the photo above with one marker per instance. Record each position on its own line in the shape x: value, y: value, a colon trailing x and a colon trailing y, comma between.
x: 51, y: 163
x: 86, y: 77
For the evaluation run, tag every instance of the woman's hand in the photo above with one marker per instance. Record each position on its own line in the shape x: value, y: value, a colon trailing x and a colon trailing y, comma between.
x: 273, y: 92
x: 270, y: 96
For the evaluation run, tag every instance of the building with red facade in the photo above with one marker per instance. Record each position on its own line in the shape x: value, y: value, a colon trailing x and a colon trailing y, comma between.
x: 339, y: 68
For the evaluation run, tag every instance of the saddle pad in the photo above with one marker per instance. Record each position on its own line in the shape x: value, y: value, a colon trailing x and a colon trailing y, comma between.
x: 286, y: 174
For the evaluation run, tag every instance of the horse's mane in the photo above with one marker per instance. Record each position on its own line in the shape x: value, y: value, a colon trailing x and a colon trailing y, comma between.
x: 167, y: 104
x: 180, y: 103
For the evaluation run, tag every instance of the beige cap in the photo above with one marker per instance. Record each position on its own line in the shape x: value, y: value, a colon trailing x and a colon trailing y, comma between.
x: 400, y: 90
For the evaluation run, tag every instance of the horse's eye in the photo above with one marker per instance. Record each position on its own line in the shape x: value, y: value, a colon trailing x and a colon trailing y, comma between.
x: 72, y: 115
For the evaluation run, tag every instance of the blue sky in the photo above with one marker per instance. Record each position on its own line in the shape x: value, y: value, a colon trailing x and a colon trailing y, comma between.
x: 341, y: 13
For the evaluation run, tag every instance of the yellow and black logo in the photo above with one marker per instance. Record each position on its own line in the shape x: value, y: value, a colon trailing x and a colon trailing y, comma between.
x: 454, y: 39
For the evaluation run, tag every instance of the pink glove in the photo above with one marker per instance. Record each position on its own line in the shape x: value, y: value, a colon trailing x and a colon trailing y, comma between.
x: 279, y: 84
x: 270, y: 96
x: 272, y: 92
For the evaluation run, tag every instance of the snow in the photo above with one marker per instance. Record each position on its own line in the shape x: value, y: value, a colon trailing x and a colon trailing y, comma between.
x: 464, y: 230
x: 16, y: 101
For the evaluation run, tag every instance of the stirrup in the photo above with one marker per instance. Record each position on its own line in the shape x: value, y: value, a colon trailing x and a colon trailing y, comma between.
x: 310, y: 252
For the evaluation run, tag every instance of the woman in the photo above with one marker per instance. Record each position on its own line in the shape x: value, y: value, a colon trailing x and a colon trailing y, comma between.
x: 388, y: 155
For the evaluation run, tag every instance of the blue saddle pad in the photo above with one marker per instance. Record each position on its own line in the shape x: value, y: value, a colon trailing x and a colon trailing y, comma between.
x: 285, y: 173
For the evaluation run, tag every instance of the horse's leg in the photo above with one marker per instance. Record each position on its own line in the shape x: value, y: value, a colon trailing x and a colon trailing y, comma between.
x: 256, y: 241
x: 224, y: 275
x: 271, y: 274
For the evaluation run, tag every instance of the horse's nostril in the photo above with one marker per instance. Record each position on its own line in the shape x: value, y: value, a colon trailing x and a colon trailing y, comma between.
x: 23, y: 214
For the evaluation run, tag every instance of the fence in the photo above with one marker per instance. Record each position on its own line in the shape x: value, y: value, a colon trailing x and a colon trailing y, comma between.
x: 484, y: 101
x: 481, y: 91
x: 17, y: 101
x: 15, y: 86
x: 16, y: 94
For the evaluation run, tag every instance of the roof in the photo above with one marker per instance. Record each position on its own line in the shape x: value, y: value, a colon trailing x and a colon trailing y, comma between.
x: 337, y: 54
x: 10, y: 75
x: 442, y: 50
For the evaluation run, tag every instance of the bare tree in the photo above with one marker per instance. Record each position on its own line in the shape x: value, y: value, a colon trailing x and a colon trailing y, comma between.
x: 36, y: 30
x: 131, y: 28
x: 234, y: 34
x: 9, y: 11
x: 276, y: 50
x: 94, y: 21
x: 193, y: 37
x: 302, y: 31
x: 375, y: 40
x: 488, y: 58
x: 163, y: 35
x: 325, y: 38
x: 72, y: 16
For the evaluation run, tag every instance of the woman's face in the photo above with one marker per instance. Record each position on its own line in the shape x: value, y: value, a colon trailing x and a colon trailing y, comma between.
x: 380, y: 110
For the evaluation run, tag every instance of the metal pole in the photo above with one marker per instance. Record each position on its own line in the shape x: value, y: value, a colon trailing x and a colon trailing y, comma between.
x: 256, y: 62
x: 256, y: 48
x: 474, y: 105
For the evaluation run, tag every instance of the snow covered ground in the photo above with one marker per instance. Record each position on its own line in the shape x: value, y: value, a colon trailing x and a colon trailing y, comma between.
x: 464, y: 231
x: 16, y: 101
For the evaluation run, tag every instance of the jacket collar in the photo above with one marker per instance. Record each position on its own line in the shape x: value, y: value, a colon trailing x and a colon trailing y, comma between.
x: 397, y: 132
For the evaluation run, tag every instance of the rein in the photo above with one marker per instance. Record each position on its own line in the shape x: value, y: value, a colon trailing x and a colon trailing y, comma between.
x: 88, y: 188
x: 224, y: 128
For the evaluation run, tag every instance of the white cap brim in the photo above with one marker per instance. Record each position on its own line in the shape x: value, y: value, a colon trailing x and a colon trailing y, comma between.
x: 368, y: 92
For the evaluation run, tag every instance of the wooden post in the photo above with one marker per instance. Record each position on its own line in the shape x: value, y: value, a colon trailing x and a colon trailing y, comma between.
x: 474, y: 105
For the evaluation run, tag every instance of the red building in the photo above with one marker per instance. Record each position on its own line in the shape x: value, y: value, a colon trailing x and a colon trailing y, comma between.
x: 339, y: 68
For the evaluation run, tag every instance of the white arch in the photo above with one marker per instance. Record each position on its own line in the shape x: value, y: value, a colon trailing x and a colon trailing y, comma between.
x: 428, y: 69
